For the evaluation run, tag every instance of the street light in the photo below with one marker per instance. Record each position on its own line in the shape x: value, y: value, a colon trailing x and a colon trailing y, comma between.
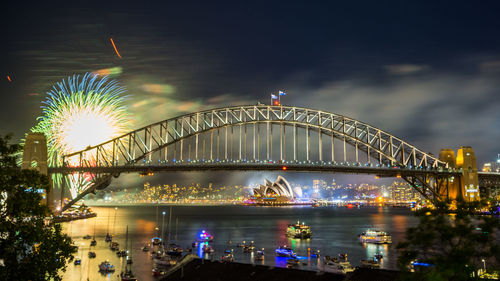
x: 484, y: 265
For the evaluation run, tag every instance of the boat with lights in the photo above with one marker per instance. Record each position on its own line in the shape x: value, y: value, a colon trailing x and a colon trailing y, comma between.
x: 259, y: 256
x: 284, y: 251
x: 370, y: 263
x: 299, y: 231
x: 105, y: 266
x: 375, y: 237
x: 205, y: 237
x: 338, y: 265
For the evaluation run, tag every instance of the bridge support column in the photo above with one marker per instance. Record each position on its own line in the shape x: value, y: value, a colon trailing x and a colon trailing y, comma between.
x: 466, y: 159
x: 466, y: 186
x: 35, y: 157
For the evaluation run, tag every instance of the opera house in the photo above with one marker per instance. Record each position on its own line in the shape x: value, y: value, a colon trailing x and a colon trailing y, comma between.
x: 278, y: 192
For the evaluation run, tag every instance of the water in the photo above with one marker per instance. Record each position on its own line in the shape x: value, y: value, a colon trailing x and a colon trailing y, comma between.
x: 334, y: 230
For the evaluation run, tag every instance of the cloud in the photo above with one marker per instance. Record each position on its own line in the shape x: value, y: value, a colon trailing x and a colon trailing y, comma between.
x: 445, y: 110
x: 490, y: 66
x: 406, y: 69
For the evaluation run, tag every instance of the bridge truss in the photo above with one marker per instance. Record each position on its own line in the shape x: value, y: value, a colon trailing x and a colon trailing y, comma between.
x: 257, y: 136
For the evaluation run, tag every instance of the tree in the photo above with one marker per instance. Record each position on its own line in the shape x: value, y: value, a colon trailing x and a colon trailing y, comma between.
x: 451, y: 244
x: 31, y: 247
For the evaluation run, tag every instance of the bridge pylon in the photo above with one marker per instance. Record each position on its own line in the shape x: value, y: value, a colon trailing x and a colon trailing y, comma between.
x: 35, y: 157
x: 465, y: 186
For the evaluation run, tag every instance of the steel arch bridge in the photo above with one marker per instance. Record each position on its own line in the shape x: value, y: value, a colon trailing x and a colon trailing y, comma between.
x: 260, y: 137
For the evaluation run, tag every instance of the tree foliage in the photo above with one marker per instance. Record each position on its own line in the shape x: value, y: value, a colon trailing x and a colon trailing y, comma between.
x: 453, y: 242
x: 30, y: 248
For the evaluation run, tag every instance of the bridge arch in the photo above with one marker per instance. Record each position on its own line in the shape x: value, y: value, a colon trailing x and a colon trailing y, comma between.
x: 151, y: 144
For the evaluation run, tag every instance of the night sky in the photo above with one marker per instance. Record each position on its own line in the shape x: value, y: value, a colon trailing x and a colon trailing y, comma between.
x: 427, y: 72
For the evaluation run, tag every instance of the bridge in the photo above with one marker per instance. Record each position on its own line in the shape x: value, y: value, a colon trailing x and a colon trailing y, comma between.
x: 266, y: 137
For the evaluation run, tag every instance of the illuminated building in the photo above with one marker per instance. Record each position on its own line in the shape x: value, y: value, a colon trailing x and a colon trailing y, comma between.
x: 279, y: 188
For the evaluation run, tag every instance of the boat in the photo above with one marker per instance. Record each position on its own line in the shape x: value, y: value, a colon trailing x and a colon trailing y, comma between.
x: 228, y: 257
x: 174, y: 250
x: 157, y: 271
x: 77, y: 261
x: 370, y: 263
x: 114, y: 246
x: 121, y: 253
x: 205, y: 237
x: 342, y: 256
x: 375, y: 237
x: 338, y: 265
x: 293, y: 262
x: 87, y: 237
x: 248, y: 248
x: 207, y: 249
x: 127, y: 276
x: 92, y: 255
x: 93, y: 243
x: 379, y: 256
x: 156, y: 241
x: 105, y: 266
x: 284, y: 251
x: 299, y: 231
x: 129, y: 260
x: 108, y: 237
x: 165, y: 261
x: 259, y: 255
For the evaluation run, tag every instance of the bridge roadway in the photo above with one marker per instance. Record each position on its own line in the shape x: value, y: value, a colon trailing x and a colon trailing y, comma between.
x: 348, y: 169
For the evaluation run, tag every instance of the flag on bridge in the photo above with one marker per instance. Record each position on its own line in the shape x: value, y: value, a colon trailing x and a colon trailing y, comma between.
x: 282, y: 93
x: 274, y: 97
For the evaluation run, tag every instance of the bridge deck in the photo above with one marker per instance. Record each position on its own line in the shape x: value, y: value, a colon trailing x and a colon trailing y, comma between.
x: 379, y: 171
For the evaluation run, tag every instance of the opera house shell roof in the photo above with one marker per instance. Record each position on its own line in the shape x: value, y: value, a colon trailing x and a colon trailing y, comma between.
x: 280, y: 188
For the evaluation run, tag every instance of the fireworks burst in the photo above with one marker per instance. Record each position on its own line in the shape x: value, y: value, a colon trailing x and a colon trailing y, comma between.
x: 81, y: 111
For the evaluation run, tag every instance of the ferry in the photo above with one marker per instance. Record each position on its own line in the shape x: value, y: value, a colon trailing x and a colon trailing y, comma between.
x: 284, y: 251
x: 376, y: 237
x: 299, y: 231
x: 259, y: 256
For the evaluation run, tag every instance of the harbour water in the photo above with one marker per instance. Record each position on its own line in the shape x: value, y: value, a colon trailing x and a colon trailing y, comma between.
x: 335, y: 230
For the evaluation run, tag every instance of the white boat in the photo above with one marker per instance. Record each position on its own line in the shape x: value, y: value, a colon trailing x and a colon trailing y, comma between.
x: 376, y: 237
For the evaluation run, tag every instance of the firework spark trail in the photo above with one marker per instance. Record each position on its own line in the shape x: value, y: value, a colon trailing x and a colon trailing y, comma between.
x: 114, y: 46
x: 78, y: 112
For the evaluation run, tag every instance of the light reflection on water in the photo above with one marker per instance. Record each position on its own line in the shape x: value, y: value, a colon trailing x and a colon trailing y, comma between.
x: 335, y: 230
